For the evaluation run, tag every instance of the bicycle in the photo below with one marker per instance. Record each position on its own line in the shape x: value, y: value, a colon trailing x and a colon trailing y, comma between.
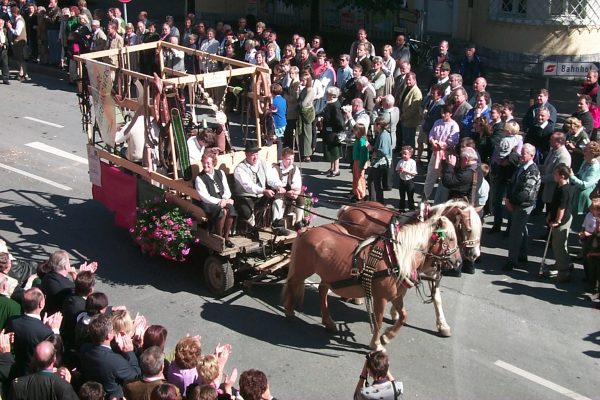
x: 420, y: 52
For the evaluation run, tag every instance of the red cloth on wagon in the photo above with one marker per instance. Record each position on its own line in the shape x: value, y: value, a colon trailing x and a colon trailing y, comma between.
x: 118, y: 193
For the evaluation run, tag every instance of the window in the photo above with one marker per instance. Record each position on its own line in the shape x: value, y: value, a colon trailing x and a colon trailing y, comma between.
x: 547, y: 12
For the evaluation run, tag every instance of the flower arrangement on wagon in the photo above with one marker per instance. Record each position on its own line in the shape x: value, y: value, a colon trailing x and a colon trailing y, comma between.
x: 163, y: 229
x: 309, y: 202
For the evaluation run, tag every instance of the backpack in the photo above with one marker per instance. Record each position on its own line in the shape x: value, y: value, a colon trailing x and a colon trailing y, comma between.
x: 391, y: 390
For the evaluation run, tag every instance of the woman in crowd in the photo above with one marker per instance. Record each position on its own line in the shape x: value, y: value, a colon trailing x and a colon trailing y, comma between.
x: 215, y: 198
x: 585, y: 181
x: 380, y: 159
x: 360, y: 156
x: 291, y: 97
x: 306, y: 116
x: 182, y: 371
x: 577, y: 140
x: 333, y: 124
x: 289, y: 54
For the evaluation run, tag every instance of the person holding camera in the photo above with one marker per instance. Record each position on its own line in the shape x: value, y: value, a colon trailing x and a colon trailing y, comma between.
x: 383, y: 386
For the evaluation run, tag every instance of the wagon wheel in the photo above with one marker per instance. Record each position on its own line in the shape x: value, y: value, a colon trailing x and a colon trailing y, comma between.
x: 218, y: 275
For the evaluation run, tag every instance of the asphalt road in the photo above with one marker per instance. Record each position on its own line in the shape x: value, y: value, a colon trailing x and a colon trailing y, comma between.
x: 514, y: 337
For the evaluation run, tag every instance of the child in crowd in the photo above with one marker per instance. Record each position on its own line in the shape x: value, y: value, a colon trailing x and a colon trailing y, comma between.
x: 590, y: 244
x: 559, y: 219
x: 279, y: 110
x: 407, y: 169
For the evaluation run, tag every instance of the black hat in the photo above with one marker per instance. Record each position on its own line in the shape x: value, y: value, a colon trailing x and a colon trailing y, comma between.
x: 251, y: 147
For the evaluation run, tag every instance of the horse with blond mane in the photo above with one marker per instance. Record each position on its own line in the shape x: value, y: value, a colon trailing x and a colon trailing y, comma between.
x: 380, y: 268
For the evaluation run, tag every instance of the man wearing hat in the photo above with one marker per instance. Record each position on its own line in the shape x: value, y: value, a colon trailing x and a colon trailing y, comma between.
x: 256, y: 182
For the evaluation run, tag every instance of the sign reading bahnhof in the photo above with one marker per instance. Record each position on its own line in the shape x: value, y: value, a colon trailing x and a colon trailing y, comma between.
x: 552, y: 68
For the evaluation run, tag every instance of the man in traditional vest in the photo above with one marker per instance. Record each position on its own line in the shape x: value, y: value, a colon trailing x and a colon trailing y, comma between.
x: 256, y: 182
x: 290, y: 177
x: 20, y: 41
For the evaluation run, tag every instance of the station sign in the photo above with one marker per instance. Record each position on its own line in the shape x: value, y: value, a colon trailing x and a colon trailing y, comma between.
x: 552, y: 68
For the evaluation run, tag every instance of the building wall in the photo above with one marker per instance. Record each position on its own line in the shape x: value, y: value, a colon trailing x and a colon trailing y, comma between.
x: 520, y: 46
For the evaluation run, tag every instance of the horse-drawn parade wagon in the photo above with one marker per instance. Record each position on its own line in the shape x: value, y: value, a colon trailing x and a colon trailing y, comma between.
x: 129, y: 167
x: 369, y: 251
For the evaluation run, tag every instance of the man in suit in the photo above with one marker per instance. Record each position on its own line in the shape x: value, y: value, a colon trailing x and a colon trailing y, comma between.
x: 152, y: 362
x: 541, y: 100
x: 410, y: 110
x: 29, y: 329
x: 45, y: 383
x: 558, y: 155
x: 56, y: 284
x: 100, y: 364
x: 539, y: 134
x: 460, y: 106
x: 73, y: 306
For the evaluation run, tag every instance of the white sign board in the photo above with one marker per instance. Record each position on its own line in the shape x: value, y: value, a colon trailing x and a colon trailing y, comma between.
x: 552, y: 68
x: 213, y: 80
x: 94, y: 166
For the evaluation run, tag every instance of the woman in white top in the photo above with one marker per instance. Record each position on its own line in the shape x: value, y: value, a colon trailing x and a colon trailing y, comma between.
x: 215, y: 197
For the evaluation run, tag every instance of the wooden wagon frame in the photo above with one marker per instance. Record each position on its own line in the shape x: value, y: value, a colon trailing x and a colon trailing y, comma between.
x: 257, y: 259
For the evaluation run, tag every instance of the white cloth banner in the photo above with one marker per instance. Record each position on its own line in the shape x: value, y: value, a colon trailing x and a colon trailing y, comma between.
x: 101, y: 81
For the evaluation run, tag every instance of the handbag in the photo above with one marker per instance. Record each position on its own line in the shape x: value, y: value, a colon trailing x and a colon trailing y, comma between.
x: 341, y: 137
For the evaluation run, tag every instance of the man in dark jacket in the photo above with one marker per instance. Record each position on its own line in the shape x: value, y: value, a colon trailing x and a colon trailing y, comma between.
x: 458, y: 179
x: 520, y: 202
x: 45, y: 383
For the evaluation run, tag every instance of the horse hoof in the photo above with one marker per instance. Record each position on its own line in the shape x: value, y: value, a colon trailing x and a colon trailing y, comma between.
x: 331, y: 327
x: 445, y: 332
x: 394, y: 315
x: 290, y: 315
x: 384, y: 339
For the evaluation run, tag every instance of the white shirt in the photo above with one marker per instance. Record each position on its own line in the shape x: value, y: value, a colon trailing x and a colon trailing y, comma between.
x: 205, y: 194
x: 410, y: 166
x: 244, y: 177
x: 483, y: 192
x: 296, y: 183
x: 136, y: 137
x: 195, y: 150
x: 589, y: 223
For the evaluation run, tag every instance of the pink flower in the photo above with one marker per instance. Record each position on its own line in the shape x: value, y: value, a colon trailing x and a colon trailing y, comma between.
x: 315, y: 200
x: 304, y: 188
x: 189, y: 221
x: 309, y: 194
x: 176, y: 227
x: 185, y: 251
x: 196, y: 240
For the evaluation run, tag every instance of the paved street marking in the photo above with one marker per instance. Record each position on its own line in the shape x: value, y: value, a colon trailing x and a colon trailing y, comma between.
x: 57, y: 152
x: 540, y: 381
x: 41, y: 121
x: 32, y: 176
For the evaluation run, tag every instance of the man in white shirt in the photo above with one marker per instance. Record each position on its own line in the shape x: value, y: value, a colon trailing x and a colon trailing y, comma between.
x: 255, y: 184
x: 291, y: 178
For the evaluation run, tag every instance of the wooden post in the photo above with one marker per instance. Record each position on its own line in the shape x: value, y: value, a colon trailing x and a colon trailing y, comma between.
x: 161, y: 60
x: 255, y: 100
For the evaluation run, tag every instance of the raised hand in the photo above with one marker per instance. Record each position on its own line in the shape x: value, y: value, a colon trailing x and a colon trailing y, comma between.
x: 5, y: 342
x: 92, y: 267
x: 53, y: 321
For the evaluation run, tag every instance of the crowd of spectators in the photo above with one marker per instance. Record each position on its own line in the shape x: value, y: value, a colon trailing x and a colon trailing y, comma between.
x: 369, y: 100
x: 61, y: 339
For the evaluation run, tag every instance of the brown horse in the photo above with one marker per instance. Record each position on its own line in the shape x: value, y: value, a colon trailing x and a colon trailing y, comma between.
x: 420, y: 249
x: 373, y: 218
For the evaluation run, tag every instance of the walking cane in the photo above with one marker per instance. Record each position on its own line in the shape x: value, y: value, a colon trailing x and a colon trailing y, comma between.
x: 544, y: 271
